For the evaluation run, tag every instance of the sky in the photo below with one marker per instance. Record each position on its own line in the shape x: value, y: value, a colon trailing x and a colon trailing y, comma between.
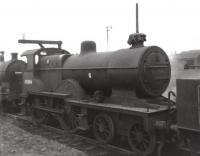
x: 174, y: 25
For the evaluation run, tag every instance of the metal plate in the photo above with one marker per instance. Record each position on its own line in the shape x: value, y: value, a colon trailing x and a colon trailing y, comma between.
x: 188, y: 104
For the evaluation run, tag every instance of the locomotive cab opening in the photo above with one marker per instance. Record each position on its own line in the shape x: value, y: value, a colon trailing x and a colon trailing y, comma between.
x: 38, y: 57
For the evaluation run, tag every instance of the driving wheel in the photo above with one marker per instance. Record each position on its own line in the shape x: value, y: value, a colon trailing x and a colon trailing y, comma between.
x: 103, y: 128
x: 140, y: 140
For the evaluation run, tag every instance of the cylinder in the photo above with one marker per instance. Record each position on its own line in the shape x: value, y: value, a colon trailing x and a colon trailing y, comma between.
x: 145, y: 70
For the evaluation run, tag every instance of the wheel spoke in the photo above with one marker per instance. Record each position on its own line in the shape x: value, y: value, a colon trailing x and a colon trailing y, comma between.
x: 97, y: 123
x: 144, y: 146
x: 133, y: 134
x: 107, y: 131
x: 146, y: 141
x: 105, y: 136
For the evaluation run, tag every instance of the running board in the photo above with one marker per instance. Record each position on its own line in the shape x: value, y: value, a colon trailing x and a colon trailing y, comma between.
x: 50, y: 94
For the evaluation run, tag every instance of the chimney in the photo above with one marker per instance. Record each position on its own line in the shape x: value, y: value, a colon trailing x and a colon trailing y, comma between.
x: 1, y: 56
x: 14, y: 56
x: 137, y: 39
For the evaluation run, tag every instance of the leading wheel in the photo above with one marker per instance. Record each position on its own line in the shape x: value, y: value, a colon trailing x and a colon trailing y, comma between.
x: 140, y: 140
x: 38, y: 115
x: 103, y: 128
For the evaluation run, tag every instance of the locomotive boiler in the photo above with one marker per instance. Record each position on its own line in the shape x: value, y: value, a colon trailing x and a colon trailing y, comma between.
x: 145, y: 70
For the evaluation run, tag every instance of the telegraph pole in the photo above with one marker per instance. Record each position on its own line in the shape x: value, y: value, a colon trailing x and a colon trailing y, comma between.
x: 108, y: 28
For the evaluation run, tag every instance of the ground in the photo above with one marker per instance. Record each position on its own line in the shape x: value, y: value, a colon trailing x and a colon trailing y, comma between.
x: 18, y: 142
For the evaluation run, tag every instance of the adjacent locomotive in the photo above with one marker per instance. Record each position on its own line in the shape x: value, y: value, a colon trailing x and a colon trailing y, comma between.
x: 11, y: 82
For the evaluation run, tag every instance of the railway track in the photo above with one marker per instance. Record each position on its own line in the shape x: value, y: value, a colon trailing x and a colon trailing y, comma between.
x: 81, y: 142
x: 77, y: 141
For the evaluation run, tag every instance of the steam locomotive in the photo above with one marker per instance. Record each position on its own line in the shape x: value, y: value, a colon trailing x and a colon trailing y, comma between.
x: 113, y: 94
x: 11, y: 83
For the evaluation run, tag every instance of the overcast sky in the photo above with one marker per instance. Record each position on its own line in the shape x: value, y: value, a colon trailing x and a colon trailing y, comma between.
x: 174, y: 25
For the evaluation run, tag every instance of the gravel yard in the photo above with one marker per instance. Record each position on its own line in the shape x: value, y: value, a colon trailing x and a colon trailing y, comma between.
x: 17, y: 142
